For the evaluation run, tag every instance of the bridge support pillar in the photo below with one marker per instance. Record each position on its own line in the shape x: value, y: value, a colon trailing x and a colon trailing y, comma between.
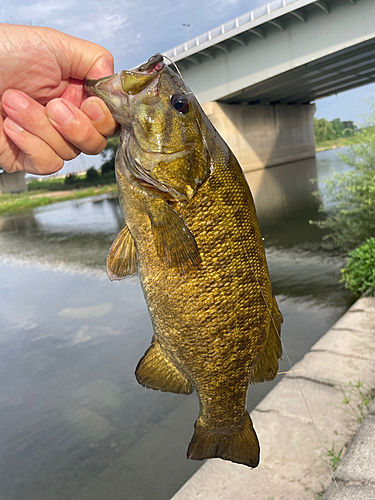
x: 275, y: 147
x: 12, y: 183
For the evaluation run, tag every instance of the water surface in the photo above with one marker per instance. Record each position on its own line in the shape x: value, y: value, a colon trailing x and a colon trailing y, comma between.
x: 74, y: 423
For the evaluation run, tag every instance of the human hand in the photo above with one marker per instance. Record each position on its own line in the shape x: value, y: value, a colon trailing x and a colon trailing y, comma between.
x: 44, y: 117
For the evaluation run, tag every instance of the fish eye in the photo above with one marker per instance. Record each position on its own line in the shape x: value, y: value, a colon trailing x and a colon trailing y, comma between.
x: 180, y: 103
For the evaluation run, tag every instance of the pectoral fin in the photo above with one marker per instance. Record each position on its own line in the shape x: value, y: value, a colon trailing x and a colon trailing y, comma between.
x: 156, y: 372
x: 122, y: 260
x: 174, y: 242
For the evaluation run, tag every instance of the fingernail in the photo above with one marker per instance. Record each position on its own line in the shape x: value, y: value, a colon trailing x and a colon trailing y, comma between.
x: 14, y: 126
x: 59, y: 113
x: 94, y: 111
x: 16, y: 101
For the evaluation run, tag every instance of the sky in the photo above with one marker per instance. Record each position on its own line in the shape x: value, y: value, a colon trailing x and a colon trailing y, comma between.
x: 135, y: 30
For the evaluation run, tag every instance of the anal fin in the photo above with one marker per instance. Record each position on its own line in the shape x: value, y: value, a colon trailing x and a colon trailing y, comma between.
x: 122, y: 260
x: 155, y: 371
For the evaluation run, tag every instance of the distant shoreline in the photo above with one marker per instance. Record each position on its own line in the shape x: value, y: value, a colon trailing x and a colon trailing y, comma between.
x: 337, y: 143
x: 13, y: 203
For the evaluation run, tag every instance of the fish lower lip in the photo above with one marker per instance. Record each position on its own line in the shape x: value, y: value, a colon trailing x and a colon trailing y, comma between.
x: 108, y: 84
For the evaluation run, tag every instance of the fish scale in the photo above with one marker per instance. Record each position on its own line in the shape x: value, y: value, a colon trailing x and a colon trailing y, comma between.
x: 192, y: 235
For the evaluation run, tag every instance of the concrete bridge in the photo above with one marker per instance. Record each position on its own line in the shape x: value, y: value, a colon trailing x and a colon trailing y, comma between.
x: 289, y: 51
x: 257, y: 75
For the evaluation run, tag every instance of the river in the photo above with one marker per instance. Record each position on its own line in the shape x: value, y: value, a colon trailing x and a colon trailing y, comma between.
x: 74, y: 423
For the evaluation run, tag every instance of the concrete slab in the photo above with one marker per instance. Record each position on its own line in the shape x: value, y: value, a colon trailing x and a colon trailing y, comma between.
x: 358, y: 465
x: 286, y: 399
x: 356, y: 475
x: 354, y: 334
x: 220, y: 480
x: 294, y: 465
x: 360, y: 317
x: 349, y: 492
x: 336, y: 369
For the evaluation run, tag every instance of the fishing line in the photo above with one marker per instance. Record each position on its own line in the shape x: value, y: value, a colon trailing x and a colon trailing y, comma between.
x: 290, y: 364
x: 274, y: 325
x: 269, y: 312
x: 175, y: 65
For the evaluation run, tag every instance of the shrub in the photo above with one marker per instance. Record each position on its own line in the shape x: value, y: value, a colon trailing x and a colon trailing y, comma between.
x: 92, y: 176
x: 109, y: 154
x: 350, y: 207
x: 359, y: 274
x: 71, y: 179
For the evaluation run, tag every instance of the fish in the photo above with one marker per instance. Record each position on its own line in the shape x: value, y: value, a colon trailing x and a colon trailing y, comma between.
x: 191, y: 233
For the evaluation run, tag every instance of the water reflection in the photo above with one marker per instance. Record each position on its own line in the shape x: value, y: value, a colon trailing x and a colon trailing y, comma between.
x: 74, y: 423
x: 72, y: 234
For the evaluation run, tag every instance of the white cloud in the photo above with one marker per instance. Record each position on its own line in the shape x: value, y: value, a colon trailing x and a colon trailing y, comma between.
x: 133, y: 31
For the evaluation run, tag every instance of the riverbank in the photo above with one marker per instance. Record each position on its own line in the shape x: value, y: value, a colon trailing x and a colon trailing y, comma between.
x: 10, y: 203
x: 337, y: 143
x: 295, y: 452
x: 355, y: 478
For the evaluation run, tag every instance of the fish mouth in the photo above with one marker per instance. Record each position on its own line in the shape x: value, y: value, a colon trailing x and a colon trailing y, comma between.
x: 114, y: 84
x: 153, y: 65
x: 107, y: 85
x: 116, y: 89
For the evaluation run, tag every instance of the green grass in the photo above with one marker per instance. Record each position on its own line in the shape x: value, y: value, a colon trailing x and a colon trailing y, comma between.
x: 10, y: 203
x: 356, y: 401
x: 338, y: 143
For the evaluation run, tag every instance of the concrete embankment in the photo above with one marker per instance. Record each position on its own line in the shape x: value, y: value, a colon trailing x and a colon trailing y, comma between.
x: 295, y: 456
x: 355, y: 478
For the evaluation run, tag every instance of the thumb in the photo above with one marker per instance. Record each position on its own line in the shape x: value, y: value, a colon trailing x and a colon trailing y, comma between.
x: 87, y: 60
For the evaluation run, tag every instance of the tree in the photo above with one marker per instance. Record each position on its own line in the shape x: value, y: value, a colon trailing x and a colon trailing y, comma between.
x: 92, y: 176
x: 323, y: 130
x: 71, y: 179
x: 351, y: 195
x: 109, y: 154
x: 337, y: 126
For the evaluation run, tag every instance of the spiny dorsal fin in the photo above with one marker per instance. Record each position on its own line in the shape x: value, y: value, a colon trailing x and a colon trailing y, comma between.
x: 122, y: 260
x: 156, y: 372
x: 174, y: 242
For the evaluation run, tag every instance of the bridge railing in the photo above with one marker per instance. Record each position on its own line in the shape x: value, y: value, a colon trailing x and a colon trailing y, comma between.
x: 249, y: 17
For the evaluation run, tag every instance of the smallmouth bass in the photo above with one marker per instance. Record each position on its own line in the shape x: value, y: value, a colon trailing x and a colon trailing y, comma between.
x: 191, y: 232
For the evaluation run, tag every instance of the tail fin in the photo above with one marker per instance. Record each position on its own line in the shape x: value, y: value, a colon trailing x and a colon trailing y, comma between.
x: 238, y: 444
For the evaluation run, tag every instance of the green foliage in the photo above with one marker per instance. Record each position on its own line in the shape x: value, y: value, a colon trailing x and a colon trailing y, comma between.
x: 109, y: 153
x: 323, y: 130
x: 46, y: 185
x: 335, y: 129
x: 334, y: 460
x: 25, y: 201
x: 71, y: 179
x: 359, y: 274
x: 92, y: 176
x: 350, y: 196
x: 356, y: 401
